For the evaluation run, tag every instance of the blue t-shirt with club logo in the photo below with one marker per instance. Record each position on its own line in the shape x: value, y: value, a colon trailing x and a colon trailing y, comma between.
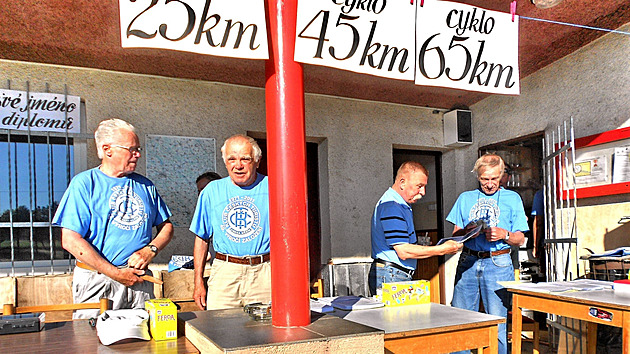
x: 237, y: 218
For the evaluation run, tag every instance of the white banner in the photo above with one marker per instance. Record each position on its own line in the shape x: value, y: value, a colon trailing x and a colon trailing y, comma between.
x: 366, y: 36
x: 228, y: 28
x: 466, y: 47
x: 40, y: 112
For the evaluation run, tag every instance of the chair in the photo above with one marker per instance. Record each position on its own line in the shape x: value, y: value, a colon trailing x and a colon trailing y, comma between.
x: 317, y: 288
x: 11, y: 309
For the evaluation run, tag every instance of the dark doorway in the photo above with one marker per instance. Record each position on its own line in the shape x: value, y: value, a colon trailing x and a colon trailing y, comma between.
x: 312, y: 185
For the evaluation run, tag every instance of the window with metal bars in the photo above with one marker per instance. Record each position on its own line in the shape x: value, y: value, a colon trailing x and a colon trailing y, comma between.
x: 34, y: 173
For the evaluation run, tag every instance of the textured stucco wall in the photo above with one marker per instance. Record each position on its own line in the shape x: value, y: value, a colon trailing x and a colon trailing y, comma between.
x: 356, y: 137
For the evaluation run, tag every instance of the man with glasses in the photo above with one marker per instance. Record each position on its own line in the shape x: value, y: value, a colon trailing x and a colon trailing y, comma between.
x: 485, y: 260
x: 107, y: 215
x: 233, y: 212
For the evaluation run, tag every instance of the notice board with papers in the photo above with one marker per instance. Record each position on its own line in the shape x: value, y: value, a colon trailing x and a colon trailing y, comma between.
x: 602, y: 164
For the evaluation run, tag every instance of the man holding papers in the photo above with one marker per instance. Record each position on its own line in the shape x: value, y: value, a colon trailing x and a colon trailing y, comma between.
x: 485, y: 260
x: 394, y: 247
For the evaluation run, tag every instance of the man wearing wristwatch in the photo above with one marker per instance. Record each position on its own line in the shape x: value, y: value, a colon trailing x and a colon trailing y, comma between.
x: 394, y: 247
x: 485, y: 260
x: 107, y: 215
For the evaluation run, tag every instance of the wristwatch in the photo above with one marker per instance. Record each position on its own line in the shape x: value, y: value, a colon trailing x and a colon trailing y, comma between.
x: 153, y: 248
x: 507, y: 235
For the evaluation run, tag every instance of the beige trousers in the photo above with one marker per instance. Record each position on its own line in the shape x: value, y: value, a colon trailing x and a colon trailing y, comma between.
x: 236, y: 285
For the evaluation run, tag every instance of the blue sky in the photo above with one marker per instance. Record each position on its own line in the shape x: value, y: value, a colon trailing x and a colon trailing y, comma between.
x: 19, y: 164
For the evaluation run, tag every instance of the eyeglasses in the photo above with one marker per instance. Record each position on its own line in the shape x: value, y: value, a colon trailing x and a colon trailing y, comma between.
x: 132, y: 150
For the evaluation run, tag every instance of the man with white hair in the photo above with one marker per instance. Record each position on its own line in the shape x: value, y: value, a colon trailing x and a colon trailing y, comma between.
x: 234, y: 212
x: 107, y: 215
x: 485, y: 260
x: 394, y: 247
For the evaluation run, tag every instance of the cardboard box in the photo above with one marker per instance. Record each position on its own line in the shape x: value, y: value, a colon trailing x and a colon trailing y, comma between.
x: 406, y: 293
x: 162, y: 319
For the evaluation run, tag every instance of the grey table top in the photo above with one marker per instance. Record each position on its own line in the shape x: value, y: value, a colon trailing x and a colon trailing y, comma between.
x: 424, y: 317
x: 603, y: 297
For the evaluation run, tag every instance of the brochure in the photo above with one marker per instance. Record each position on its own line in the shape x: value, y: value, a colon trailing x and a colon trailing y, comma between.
x: 461, y: 239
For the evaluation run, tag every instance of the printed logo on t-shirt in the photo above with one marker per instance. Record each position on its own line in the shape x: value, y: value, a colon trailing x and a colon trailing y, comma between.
x: 127, y: 208
x: 487, y: 210
x: 241, y: 220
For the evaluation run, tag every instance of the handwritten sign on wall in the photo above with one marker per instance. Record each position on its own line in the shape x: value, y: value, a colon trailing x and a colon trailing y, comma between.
x: 228, y: 28
x: 39, y: 111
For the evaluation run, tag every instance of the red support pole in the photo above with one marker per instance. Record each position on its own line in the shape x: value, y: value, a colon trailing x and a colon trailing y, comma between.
x: 286, y: 147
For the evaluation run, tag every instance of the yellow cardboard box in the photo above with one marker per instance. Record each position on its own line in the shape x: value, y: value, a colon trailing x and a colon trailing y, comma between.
x: 162, y: 318
x: 406, y: 293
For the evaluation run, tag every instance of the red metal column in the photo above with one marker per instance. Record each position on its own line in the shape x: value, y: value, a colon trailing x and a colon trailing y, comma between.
x: 286, y: 146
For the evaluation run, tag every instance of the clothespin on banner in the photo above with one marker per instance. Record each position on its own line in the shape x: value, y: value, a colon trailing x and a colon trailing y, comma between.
x: 513, y: 9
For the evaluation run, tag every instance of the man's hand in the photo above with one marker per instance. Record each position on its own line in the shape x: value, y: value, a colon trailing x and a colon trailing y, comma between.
x: 199, y: 294
x: 451, y: 247
x: 128, y: 276
x: 141, y: 258
x: 495, y: 234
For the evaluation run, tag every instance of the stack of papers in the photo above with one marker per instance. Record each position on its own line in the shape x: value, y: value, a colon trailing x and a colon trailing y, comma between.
x: 618, y: 252
x: 563, y: 286
x: 327, y: 304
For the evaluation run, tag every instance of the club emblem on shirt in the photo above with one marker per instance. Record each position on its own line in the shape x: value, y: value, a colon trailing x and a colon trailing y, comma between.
x: 485, y: 209
x: 241, y: 220
x: 127, y: 208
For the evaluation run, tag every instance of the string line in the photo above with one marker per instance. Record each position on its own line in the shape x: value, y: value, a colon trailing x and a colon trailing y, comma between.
x: 575, y: 25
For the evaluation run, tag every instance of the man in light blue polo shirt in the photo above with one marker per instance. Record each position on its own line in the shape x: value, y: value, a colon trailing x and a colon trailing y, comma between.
x: 394, y: 247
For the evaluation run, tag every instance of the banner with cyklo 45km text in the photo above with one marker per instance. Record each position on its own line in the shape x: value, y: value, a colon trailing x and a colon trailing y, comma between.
x: 228, y: 28
x: 366, y: 36
x: 39, y: 111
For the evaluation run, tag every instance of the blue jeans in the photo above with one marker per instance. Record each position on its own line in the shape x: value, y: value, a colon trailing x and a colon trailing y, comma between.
x: 386, y: 274
x: 477, y: 277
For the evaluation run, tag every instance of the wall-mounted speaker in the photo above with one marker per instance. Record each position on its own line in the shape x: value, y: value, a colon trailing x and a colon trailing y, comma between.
x: 458, y: 128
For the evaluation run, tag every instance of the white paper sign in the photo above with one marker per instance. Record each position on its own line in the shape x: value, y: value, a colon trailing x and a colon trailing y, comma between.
x: 40, y: 112
x: 621, y: 164
x: 466, y: 47
x: 228, y: 28
x: 366, y: 36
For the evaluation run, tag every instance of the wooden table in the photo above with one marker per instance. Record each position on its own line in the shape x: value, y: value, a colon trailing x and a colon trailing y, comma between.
x: 79, y: 337
x: 575, y: 304
x: 430, y: 328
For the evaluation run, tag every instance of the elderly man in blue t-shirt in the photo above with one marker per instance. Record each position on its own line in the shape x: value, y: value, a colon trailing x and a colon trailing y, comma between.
x: 485, y: 260
x: 234, y: 213
x: 107, y: 215
x: 394, y: 247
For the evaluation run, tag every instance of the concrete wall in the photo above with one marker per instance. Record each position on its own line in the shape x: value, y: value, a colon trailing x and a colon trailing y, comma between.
x: 590, y: 85
x: 355, y: 137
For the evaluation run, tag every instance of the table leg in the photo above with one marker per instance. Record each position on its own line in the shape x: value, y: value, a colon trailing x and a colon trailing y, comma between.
x: 493, y: 348
x: 517, y: 324
x: 591, y: 337
x: 626, y: 332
